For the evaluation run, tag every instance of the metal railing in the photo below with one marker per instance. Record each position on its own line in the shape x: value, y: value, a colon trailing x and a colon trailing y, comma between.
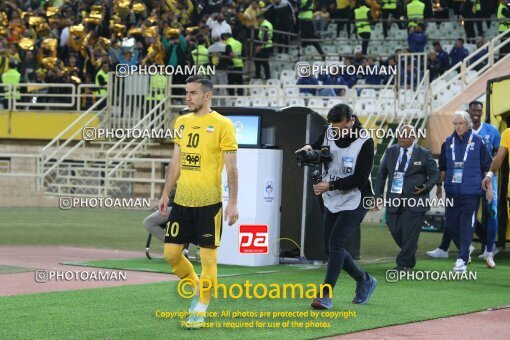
x: 466, y: 72
x: 124, y: 151
x: 116, y: 165
x: 55, y: 148
x: 412, y: 114
x: 52, y: 96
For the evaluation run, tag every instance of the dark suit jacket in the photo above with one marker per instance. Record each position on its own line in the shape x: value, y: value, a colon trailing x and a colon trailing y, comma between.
x: 421, y: 170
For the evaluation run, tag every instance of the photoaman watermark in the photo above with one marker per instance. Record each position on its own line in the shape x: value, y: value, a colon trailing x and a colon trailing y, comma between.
x: 187, y: 288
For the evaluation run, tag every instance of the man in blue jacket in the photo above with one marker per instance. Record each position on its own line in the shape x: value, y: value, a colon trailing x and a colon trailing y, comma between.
x: 458, y: 52
x: 442, y: 56
x: 417, y: 39
x: 310, y: 80
x: 463, y: 163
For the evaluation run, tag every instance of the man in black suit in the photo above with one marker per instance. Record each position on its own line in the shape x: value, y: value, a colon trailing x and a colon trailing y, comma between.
x: 412, y: 173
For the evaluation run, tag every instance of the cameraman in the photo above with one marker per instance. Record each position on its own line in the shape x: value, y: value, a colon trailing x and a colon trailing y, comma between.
x: 347, y: 183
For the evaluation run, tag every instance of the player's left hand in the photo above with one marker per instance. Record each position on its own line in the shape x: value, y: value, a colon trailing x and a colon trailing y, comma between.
x: 320, y: 188
x: 231, y: 214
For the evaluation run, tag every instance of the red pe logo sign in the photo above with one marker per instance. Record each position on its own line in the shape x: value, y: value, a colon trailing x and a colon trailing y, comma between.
x: 253, y: 239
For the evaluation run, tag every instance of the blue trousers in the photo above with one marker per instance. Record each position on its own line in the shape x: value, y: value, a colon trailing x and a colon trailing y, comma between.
x: 492, y: 222
x: 461, y: 222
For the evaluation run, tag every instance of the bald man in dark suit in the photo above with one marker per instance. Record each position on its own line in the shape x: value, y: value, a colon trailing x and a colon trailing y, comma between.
x: 411, y: 173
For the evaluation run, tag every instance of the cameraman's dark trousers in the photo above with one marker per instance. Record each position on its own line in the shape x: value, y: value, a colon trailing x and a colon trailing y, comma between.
x: 337, y: 229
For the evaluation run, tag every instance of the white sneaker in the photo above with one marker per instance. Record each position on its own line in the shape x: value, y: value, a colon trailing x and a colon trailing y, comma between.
x: 483, y: 255
x: 495, y: 251
x: 460, y: 266
x: 489, y: 259
x: 471, y: 248
x: 438, y: 253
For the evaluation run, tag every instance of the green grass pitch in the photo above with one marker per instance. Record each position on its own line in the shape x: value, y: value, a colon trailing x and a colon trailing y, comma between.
x: 129, y: 312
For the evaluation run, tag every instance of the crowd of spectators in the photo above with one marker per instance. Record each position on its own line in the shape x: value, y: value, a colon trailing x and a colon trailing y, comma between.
x: 438, y: 62
x: 71, y: 41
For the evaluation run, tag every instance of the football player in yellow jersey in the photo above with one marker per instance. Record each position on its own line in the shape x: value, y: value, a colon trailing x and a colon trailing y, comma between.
x: 497, y: 162
x: 207, y: 142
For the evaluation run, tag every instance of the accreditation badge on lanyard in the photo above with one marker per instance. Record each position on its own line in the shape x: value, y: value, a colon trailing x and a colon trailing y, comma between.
x: 398, y: 176
x: 347, y: 165
x: 458, y: 169
x: 398, y: 182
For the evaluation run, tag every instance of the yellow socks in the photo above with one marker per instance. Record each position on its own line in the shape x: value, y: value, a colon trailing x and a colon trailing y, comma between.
x: 209, y: 259
x: 180, y: 264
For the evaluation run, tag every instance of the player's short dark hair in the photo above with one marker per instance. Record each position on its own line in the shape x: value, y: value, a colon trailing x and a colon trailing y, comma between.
x: 436, y: 43
x: 339, y: 112
x: 204, y: 81
x: 460, y: 39
x: 475, y: 102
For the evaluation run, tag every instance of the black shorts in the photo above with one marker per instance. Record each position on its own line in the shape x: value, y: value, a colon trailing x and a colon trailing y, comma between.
x: 199, y: 225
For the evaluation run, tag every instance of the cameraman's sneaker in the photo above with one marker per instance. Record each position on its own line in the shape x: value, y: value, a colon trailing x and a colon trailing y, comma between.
x: 364, y: 290
x: 438, y: 253
x: 460, y: 266
x: 322, y: 303
x: 489, y: 259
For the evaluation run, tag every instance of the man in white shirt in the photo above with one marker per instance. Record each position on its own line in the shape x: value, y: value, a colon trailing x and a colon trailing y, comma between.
x: 218, y: 25
x: 64, y: 36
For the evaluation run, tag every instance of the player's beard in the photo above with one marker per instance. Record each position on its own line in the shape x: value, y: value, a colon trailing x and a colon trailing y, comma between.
x: 198, y: 107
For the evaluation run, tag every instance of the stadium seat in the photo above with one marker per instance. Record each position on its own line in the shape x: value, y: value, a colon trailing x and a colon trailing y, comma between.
x: 386, y: 93
x: 273, y: 103
x: 401, y: 34
x: 344, y: 49
x: 242, y: 101
x: 293, y: 53
x: 333, y: 101
x: 295, y: 102
x: 288, y: 74
x: 329, y: 49
x: 272, y: 92
x: 282, y: 57
x: 371, y: 93
x: 258, y: 92
x: 260, y: 102
x: 316, y: 103
x: 288, y: 82
x: 273, y: 82
x: 291, y: 91
x: 256, y: 82
x: 471, y: 75
x: 470, y: 47
x: 310, y: 51
x: 387, y: 108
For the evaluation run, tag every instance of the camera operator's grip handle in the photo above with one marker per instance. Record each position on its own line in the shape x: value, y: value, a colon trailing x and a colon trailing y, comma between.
x: 316, y: 177
x: 304, y: 148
